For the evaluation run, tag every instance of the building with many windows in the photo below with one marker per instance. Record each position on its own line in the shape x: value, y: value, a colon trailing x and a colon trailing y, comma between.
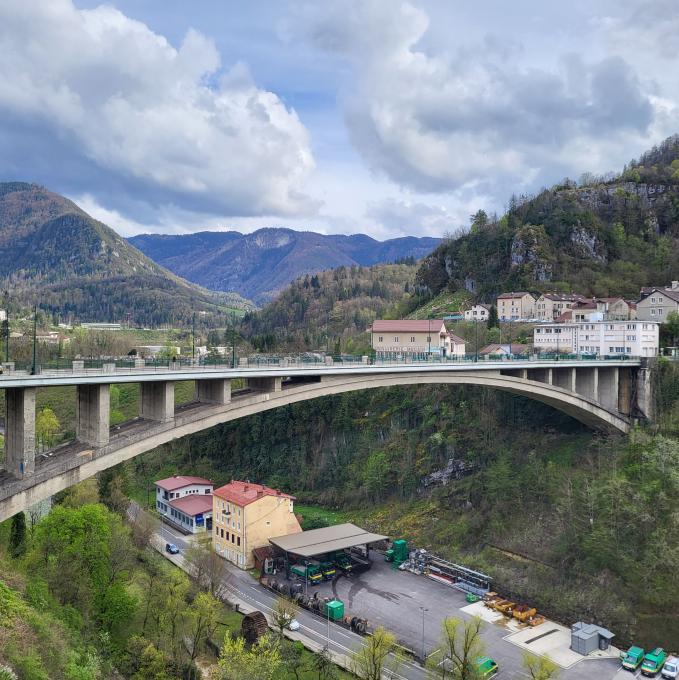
x: 516, y: 306
x: 246, y: 516
x: 398, y: 338
x: 186, y: 502
x: 604, y: 338
x: 656, y: 303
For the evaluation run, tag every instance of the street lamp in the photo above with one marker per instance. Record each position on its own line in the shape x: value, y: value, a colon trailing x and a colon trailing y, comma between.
x: 476, y: 339
x: 5, y: 326
x: 429, y: 336
x: 423, y: 610
x: 34, y: 368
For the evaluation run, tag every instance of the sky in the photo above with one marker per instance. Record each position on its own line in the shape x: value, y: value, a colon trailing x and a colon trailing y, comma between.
x: 385, y: 117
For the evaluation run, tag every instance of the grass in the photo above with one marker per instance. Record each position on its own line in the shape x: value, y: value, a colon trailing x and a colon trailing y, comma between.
x: 444, y: 303
x: 314, y: 517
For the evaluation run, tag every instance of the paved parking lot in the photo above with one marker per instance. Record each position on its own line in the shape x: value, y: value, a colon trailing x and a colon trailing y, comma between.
x: 401, y: 602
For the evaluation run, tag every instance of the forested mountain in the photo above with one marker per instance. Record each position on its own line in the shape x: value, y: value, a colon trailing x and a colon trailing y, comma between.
x: 260, y: 264
x: 603, y: 236
x: 52, y: 253
x: 332, y: 309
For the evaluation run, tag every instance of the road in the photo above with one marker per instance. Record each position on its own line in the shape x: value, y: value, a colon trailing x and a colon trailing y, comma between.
x: 240, y: 585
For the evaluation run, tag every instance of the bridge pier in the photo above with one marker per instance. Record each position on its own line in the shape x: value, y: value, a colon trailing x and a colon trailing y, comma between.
x: 20, y: 431
x: 587, y: 382
x: 543, y: 375
x: 274, y: 384
x: 625, y: 391
x: 92, y: 416
x: 564, y: 378
x: 607, y: 388
x: 644, y: 391
x: 213, y: 391
x: 157, y: 401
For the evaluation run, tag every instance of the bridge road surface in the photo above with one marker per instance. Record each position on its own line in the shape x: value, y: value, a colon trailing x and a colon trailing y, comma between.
x: 404, y: 620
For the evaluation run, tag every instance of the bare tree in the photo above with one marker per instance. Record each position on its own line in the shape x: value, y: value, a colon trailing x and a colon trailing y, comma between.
x: 459, y: 648
x: 283, y: 612
x: 208, y: 568
x: 376, y: 655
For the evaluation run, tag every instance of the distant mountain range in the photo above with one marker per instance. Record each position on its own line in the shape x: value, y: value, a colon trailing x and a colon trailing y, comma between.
x: 259, y: 265
x: 54, y: 254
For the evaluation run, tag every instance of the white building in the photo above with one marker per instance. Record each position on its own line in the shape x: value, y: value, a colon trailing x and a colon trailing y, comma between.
x: 396, y: 338
x: 3, y: 315
x: 604, y: 338
x: 477, y: 312
x: 186, y: 502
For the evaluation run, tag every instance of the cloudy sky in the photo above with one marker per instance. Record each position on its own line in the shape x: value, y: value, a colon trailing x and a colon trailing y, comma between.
x: 388, y: 117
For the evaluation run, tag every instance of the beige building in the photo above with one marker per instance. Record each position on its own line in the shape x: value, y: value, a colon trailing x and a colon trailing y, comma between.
x: 394, y: 338
x: 245, y: 516
x: 517, y: 306
x: 656, y: 303
x: 478, y: 312
x: 550, y: 306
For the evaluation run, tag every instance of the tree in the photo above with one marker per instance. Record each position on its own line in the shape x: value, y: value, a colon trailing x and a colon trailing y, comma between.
x: 17, y: 535
x: 292, y: 658
x: 459, y: 648
x: 671, y: 329
x: 46, y: 427
x: 325, y: 666
x: 202, y: 621
x: 539, y: 667
x: 492, y: 317
x: 373, y: 657
x: 154, y: 665
x: 261, y: 662
x: 283, y: 613
x: 208, y: 568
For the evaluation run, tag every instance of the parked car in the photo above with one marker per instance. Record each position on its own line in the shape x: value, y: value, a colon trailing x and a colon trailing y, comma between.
x: 671, y: 668
x: 293, y: 625
x: 171, y: 548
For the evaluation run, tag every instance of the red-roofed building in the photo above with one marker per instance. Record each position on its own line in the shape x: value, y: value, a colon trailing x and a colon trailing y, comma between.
x: 397, y: 338
x: 173, y: 489
x: 246, y: 516
x: 192, y: 513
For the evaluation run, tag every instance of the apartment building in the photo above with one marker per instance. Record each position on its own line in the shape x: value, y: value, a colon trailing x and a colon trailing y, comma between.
x: 656, y: 303
x: 549, y: 306
x: 246, y: 516
x: 604, y: 338
x: 394, y: 338
x: 518, y: 306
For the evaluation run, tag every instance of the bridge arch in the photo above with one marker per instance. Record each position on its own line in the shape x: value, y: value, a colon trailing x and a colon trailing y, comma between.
x: 20, y: 494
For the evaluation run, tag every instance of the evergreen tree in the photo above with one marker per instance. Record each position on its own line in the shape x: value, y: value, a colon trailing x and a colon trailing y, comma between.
x: 492, y: 317
x: 17, y: 535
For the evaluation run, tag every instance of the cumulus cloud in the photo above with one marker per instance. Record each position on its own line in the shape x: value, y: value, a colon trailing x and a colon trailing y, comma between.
x: 406, y: 218
x: 96, y: 102
x: 474, y: 116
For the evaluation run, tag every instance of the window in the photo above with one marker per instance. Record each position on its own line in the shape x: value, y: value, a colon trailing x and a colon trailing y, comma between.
x: 412, y: 338
x: 238, y: 542
x: 653, y: 312
x: 653, y: 299
x: 396, y: 338
x: 227, y: 535
x: 233, y: 536
x: 660, y: 311
x: 380, y: 339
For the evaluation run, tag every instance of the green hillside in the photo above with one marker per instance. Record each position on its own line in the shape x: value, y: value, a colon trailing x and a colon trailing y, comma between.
x: 599, y: 237
x: 55, y: 255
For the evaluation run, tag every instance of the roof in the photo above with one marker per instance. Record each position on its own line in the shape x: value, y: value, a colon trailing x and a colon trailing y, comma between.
x: 327, y: 539
x: 564, y: 297
x: 496, y: 348
x: 671, y: 294
x: 180, y: 481
x: 193, y: 504
x: 414, y: 325
x: 518, y: 294
x: 244, y: 493
x: 456, y: 339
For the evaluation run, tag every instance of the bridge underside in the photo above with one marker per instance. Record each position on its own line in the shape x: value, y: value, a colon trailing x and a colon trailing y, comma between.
x: 98, y: 447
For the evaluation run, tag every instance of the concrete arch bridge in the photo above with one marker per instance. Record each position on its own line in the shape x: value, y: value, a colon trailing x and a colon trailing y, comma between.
x: 604, y: 394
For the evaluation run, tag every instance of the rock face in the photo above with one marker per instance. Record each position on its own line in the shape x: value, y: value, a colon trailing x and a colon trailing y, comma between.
x: 531, y: 253
x: 586, y: 245
x: 260, y: 264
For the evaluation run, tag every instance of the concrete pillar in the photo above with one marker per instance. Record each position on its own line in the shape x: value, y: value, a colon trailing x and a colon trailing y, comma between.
x: 608, y: 388
x: 564, y: 378
x: 543, y: 375
x: 157, y: 401
x: 625, y: 391
x: 20, y: 431
x: 213, y: 391
x: 587, y: 382
x: 92, y: 416
x: 644, y: 392
x: 273, y: 384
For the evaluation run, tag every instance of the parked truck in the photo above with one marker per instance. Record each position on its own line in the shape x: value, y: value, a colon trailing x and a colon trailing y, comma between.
x: 310, y: 573
x: 653, y: 662
x: 632, y: 658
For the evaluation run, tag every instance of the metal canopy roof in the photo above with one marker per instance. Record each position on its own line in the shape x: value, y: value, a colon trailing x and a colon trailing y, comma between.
x: 327, y: 539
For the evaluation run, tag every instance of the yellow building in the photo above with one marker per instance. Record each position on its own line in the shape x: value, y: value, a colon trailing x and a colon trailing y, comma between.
x: 245, y: 516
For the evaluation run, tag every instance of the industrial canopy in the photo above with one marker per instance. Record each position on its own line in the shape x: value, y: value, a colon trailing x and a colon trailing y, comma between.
x: 328, y: 539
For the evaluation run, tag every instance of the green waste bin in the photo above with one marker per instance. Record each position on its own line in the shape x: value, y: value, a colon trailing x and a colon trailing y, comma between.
x: 334, y: 610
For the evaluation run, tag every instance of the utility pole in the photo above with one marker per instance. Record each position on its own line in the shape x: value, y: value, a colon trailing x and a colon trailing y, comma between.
x: 476, y: 339
x: 34, y: 369
x: 429, y: 336
x: 423, y: 610
x: 193, y: 336
x: 5, y: 327
x: 233, y: 339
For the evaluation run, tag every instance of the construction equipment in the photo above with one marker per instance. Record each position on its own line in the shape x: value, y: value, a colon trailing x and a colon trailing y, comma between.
x: 524, y: 612
x: 504, y: 606
x: 632, y: 658
x: 343, y: 561
x: 328, y: 570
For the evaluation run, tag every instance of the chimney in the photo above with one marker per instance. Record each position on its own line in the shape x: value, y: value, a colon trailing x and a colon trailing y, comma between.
x: 675, y: 285
x: 245, y: 487
x: 260, y: 493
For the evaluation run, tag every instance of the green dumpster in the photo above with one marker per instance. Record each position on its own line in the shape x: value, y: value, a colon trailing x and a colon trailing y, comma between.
x: 334, y: 610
